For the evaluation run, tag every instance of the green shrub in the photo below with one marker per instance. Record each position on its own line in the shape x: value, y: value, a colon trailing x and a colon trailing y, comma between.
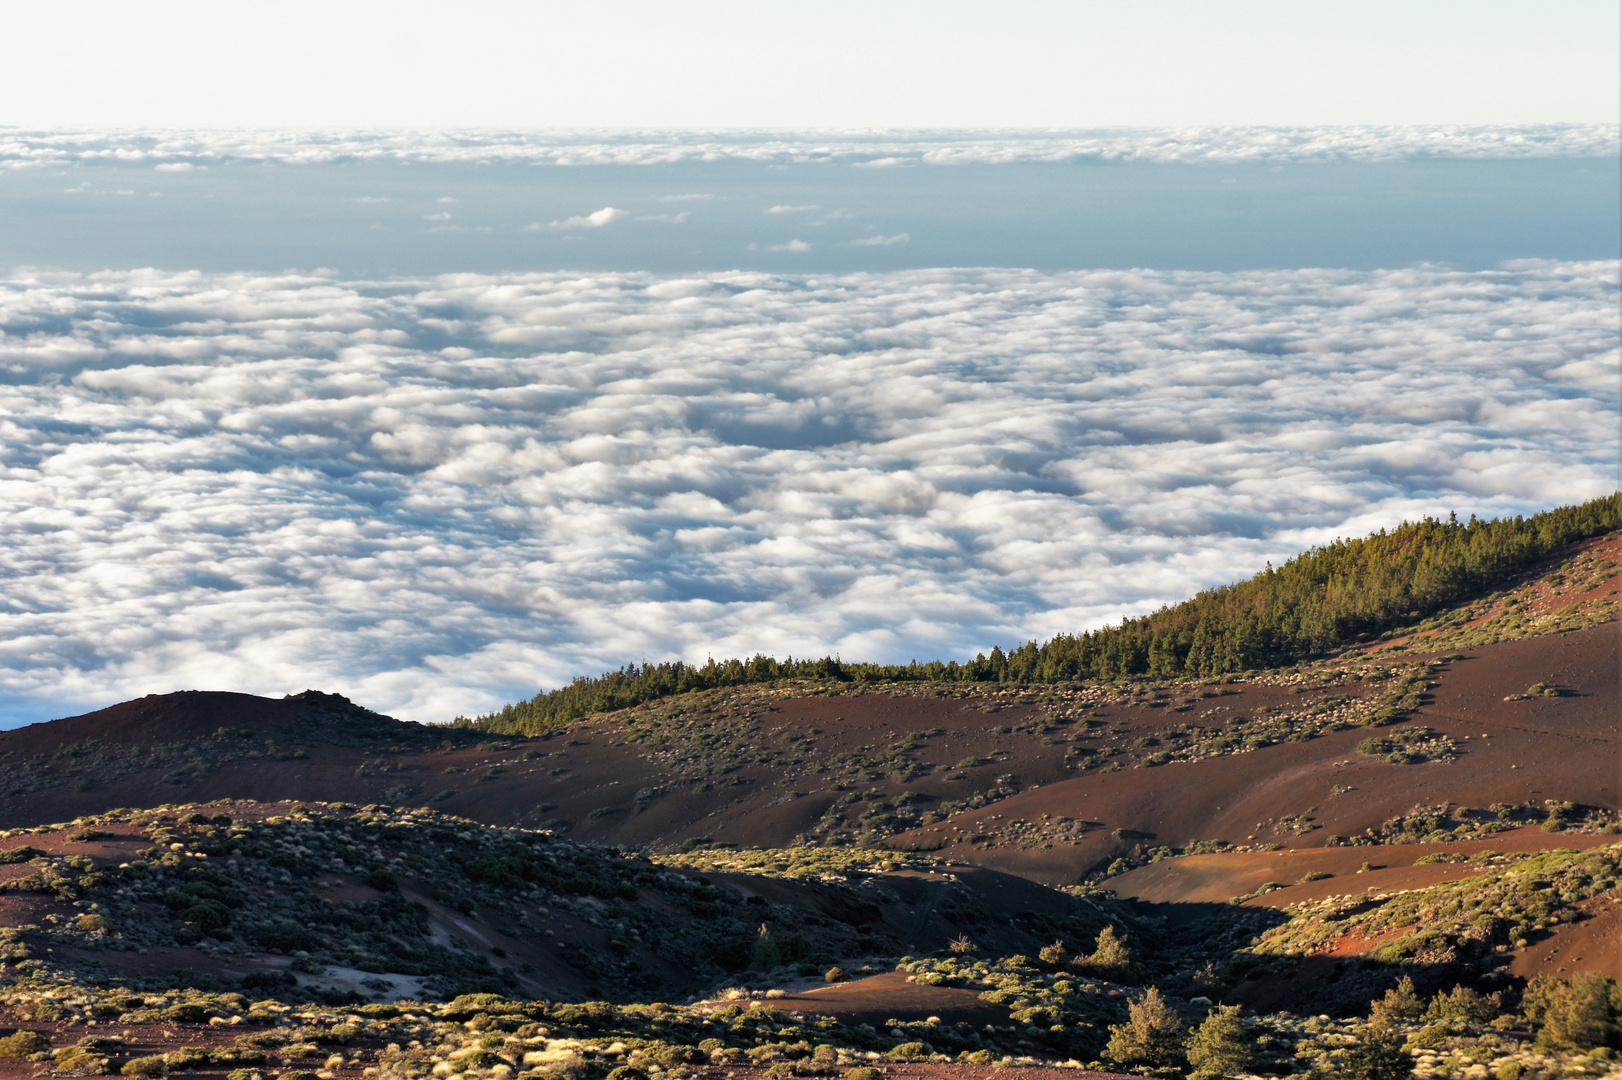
x: 627, y: 1072
x: 483, y: 1059
x: 79, y: 1061
x: 383, y: 880
x: 835, y: 975
x: 146, y: 1068
x: 865, y: 1072
x: 20, y: 854
x: 186, y: 1057
x: 186, y: 1013
x: 909, y: 1051
x: 1111, y: 959
x: 24, y: 1044
x: 237, y: 1055
x: 670, y: 1055
x: 1377, y: 1055
x: 1510, y: 1070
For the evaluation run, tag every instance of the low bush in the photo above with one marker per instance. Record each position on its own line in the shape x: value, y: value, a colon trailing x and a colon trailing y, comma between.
x: 24, y: 1044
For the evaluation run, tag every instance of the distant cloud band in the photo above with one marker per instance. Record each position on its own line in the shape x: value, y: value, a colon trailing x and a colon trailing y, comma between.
x: 178, y: 149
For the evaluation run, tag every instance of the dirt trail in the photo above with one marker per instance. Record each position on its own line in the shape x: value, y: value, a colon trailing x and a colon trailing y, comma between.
x: 890, y: 996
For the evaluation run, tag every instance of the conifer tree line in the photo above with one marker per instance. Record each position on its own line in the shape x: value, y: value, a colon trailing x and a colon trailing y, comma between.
x: 1321, y: 601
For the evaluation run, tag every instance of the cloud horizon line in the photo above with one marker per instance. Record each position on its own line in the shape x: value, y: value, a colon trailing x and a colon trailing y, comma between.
x: 171, y: 148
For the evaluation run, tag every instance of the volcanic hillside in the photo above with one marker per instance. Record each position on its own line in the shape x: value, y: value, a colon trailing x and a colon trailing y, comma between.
x: 414, y: 902
x: 1510, y: 700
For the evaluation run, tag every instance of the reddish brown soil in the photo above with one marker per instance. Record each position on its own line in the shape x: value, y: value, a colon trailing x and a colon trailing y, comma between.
x: 1211, y: 879
x: 890, y: 996
x: 1593, y: 944
x: 589, y: 779
x: 1565, y: 748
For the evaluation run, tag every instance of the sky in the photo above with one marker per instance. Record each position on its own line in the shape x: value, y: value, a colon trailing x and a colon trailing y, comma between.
x: 835, y: 64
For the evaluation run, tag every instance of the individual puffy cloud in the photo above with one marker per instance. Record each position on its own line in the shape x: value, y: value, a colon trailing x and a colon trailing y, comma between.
x: 594, y: 220
x: 880, y: 241
x: 791, y: 245
x: 56, y: 148
x: 437, y: 495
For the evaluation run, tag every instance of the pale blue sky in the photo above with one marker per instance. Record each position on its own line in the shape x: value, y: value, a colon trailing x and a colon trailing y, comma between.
x: 831, y: 64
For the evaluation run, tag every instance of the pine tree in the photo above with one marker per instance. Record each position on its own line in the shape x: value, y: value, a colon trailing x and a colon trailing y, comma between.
x: 1402, y: 1002
x: 1111, y: 959
x: 1152, y: 1034
x: 1219, y: 1046
x: 1575, y: 1015
x: 766, y: 954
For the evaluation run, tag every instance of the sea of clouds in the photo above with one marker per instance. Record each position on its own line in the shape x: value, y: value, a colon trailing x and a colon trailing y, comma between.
x: 436, y: 495
x: 188, y: 149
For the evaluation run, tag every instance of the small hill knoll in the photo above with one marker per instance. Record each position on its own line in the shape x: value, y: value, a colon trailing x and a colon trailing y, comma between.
x: 152, y: 749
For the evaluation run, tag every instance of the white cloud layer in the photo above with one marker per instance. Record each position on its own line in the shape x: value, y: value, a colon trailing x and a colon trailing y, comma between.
x: 168, y: 148
x: 435, y: 495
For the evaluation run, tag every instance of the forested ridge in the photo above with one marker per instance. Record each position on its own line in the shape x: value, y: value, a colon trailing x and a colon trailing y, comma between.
x: 1320, y: 601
